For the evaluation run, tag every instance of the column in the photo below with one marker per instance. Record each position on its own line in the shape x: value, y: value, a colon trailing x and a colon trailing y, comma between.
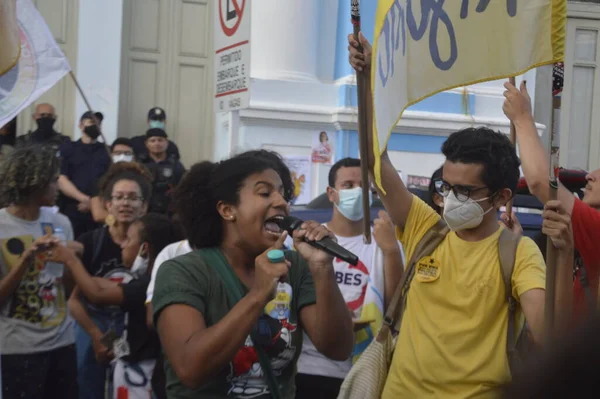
x: 285, y: 35
x: 368, y: 9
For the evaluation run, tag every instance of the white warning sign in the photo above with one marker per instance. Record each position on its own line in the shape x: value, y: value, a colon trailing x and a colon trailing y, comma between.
x: 232, y: 55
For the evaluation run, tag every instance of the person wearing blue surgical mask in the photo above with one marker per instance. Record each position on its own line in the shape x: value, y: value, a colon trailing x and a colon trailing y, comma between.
x: 366, y: 287
x: 157, y: 119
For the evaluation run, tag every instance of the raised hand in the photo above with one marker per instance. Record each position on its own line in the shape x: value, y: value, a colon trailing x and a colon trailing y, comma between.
x: 359, y: 61
x: 511, y: 223
x: 384, y: 232
x: 557, y: 225
x: 268, y: 274
x: 517, y: 103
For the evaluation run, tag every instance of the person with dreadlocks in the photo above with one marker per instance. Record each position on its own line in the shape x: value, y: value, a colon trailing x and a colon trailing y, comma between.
x: 36, y: 330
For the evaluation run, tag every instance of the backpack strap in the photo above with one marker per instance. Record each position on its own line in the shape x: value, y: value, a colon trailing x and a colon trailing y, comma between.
x: 395, y: 310
x: 585, y: 282
x: 507, y: 252
x: 215, y: 259
x: 97, y: 244
x: 98, y: 240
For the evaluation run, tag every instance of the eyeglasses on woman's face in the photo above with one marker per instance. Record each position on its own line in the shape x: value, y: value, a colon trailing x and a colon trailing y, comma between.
x: 121, y: 198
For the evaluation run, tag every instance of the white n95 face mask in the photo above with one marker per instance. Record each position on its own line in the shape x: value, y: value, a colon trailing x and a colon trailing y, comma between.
x: 463, y: 215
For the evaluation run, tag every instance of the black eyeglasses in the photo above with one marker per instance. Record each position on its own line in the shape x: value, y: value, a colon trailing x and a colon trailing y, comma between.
x: 130, y: 198
x: 461, y: 193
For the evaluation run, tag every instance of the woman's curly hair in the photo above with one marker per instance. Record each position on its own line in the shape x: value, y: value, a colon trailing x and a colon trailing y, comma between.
x: 133, y: 171
x: 26, y: 171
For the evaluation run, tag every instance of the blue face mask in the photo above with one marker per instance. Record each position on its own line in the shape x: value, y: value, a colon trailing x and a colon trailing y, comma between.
x: 157, y: 125
x: 350, y: 204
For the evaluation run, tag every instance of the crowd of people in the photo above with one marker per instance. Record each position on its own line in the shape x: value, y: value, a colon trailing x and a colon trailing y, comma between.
x: 123, y: 275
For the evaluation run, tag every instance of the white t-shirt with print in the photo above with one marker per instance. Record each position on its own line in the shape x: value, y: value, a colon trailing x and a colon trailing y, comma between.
x: 35, y: 318
x: 352, y: 281
x: 169, y: 252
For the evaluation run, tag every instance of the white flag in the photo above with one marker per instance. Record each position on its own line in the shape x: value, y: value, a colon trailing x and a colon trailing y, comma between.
x: 10, y: 45
x: 41, y: 65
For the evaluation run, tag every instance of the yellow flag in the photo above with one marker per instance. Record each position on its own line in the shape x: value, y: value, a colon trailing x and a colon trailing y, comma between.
x: 10, y: 42
x: 424, y: 47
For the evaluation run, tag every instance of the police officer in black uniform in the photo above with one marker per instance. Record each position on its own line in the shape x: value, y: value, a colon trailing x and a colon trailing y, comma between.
x: 157, y: 119
x: 166, y: 169
x: 83, y: 163
x: 45, y: 117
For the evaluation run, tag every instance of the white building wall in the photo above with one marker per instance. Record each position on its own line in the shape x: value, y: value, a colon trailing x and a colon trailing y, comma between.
x: 99, y: 62
x: 296, y: 78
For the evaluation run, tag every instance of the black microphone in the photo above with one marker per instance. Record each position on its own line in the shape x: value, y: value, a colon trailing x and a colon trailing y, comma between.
x: 290, y: 223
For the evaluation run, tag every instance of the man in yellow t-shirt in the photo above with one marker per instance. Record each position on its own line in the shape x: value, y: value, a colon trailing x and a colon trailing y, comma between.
x: 453, y: 336
x: 452, y: 341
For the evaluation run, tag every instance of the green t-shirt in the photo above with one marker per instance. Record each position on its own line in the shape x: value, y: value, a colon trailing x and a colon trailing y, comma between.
x: 188, y: 280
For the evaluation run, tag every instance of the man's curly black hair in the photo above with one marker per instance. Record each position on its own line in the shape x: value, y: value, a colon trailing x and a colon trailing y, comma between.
x: 491, y: 149
x: 26, y: 171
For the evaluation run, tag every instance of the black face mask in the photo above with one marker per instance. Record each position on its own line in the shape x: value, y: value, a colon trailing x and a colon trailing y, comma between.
x: 92, y: 131
x: 45, y: 125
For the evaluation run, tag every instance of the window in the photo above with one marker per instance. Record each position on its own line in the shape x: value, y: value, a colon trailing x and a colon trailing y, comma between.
x: 580, y: 127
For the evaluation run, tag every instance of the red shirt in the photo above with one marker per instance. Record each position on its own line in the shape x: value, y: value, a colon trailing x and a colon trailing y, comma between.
x: 586, y: 233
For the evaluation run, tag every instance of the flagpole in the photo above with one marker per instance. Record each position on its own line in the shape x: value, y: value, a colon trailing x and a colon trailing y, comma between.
x: 551, y: 250
x: 363, y: 128
x: 89, y: 107
x: 513, y: 140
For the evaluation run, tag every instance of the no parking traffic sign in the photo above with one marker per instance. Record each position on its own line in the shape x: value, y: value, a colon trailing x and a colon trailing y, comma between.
x: 232, y: 55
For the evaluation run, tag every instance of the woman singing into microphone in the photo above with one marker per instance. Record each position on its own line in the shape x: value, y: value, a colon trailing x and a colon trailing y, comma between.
x: 230, y: 315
